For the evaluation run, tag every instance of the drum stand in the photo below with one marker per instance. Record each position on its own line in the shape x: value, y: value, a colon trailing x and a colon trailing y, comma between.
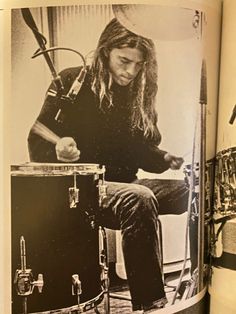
x: 188, y: 288
x: 104, y: 271
x: 198, y: 274
x: 196, y: 206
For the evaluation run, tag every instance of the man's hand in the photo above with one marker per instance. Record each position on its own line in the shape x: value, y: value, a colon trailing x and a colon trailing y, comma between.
x: 66, y: 150
x: 174, y: 162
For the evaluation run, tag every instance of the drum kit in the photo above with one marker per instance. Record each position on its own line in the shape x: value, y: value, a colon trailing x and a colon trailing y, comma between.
x: 56, y: 232
x: 55, y: 207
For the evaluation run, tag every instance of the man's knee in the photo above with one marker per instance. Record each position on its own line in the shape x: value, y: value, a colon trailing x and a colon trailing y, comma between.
x: 141, y: 201
x: 142, y: 192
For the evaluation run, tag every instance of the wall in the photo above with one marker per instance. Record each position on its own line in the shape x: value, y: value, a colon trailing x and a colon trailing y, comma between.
x: 179, y: 63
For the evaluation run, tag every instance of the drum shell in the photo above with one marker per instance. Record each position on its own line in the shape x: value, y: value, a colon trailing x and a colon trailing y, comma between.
x: 225, y: 182
x: 59, y: 240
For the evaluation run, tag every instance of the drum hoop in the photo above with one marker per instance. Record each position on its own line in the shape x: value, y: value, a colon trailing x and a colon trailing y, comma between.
x: 76, y: 309
x: 226, y: 152
x: 230, y: 213
x: 56, y: 169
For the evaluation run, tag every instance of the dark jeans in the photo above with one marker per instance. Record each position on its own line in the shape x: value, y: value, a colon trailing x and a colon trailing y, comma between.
x: 133, y: 208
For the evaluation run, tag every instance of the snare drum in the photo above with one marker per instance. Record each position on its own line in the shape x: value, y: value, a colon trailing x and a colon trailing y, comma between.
x: 54, y: 208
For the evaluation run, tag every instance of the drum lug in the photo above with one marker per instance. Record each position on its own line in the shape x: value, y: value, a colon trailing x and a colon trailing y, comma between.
x: 102, y: 191
x: 76, y: 287
x: 102, y: 187
x: 73, y: 197
x: 74, y: 194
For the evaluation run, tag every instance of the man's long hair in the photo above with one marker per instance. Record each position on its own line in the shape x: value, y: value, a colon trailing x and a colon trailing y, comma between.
x: 142, y: 90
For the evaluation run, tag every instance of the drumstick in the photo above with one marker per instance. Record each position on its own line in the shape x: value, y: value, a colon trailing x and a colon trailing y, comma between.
x: 41, y: 130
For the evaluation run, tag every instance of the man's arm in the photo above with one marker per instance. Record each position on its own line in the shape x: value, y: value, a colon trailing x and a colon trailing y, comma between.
x: 40, y: 149
x: 153, y: 159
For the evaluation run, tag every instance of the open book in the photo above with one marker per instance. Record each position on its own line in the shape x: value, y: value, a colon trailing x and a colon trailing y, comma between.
x: 195, y: 43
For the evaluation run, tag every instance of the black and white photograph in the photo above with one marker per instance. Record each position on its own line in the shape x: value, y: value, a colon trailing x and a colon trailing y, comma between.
x: 112, y: 125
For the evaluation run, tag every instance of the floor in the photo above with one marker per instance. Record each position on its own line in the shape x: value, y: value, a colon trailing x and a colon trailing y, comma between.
x: 120, y: 287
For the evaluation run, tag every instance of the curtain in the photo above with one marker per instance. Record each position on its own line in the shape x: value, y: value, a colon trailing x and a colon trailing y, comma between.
x: 77, y: 27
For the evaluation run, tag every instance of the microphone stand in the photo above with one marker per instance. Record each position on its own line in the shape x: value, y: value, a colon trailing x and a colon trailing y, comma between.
x: 202, y: 196
x: 28, y: 18
x: 75, y: 88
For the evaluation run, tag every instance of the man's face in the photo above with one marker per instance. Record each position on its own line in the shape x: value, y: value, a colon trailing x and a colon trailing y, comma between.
x: 124, y: 64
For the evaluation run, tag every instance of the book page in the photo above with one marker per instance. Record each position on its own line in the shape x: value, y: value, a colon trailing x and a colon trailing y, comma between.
x: 223, y: 286
x: 54, y: 217
x: 2, y: 269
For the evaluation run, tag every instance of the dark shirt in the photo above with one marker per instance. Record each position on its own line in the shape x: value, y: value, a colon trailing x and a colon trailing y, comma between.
x: 103, y: 135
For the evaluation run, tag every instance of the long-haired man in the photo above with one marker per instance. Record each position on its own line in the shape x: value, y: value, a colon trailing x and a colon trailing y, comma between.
x: 113, y: 122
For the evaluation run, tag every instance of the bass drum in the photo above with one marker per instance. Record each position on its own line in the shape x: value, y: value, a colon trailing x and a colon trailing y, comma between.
x: 60, y: 235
